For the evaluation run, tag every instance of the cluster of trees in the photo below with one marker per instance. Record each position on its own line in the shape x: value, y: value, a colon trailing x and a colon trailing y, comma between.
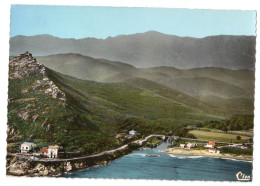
x: 244, y: 122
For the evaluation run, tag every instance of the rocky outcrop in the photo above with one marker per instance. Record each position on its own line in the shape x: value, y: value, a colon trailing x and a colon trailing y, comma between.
x: 24, y: 115
x: 50, y: 88
x: 35, y: 85
x: 19, y: 167
x: 25, y: 65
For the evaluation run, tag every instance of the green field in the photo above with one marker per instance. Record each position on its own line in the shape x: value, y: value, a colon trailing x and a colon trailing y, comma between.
x: 218, y: 137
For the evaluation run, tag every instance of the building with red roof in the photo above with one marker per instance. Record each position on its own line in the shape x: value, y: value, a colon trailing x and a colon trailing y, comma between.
x: 210, y: 145
x: 44, y: 152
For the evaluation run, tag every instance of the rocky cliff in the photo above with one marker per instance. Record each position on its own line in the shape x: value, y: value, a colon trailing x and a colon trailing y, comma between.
x: 32, y: 96
x: 24, y: 66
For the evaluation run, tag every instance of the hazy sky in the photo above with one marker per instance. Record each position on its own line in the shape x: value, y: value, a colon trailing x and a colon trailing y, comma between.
x: 102, y: 22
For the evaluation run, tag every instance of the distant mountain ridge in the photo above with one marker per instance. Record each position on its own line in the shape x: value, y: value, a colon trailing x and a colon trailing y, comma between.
x: 198, y: 82
x: 149, y: 49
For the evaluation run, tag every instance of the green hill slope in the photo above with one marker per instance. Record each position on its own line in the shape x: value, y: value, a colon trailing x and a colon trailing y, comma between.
x: 114, y: 101
x: 233, y: 88
x: 241, y: 82
x: 84, y: 67
x: 200, y: 82
x: 38, y: 111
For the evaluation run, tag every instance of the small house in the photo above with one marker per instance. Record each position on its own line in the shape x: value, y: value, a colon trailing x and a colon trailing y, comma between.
x: 132, y: 132
x: 191, y: 145
x: 182, y: 146
x: 53, y: 151
x: 213, y: 151
x: 27, y: 146
x: 210, y: 145
x: 44, y: 152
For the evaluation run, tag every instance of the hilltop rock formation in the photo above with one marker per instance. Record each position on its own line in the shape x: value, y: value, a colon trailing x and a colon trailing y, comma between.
x: 22, y: 69
x: 24, y: 66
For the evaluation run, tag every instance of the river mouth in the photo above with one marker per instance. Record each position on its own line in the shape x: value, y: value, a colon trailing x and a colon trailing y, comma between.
x: 156, y: 164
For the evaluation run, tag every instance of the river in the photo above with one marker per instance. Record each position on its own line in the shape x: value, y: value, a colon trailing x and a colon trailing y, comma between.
x: 138, y: 165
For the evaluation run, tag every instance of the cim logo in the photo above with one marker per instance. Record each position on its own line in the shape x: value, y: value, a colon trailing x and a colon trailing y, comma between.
x: 242, y: 177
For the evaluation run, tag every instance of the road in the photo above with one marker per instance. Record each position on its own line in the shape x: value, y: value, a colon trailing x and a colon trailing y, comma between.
x: 19, y: 155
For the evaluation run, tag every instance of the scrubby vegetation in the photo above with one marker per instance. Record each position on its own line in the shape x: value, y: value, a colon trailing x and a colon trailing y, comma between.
x: 244, y: 122
x: 44, y: 120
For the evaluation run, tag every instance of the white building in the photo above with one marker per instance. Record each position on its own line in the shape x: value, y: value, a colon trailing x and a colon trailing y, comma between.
x: 132, y: 132
x: 27, y: 146
x: 210, y: 145
x: 213, y: 151
x: 191, y: 145
x: 182, y: 146
x: 53, y: 151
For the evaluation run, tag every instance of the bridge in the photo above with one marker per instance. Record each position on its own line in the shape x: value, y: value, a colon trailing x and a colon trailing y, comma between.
x: 141, y: 142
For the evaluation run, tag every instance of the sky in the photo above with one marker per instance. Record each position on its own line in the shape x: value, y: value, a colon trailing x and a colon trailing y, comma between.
x: 101, y: 22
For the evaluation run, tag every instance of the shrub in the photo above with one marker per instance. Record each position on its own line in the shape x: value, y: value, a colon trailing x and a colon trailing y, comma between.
x: 238, y: 137
x: 189, y: 135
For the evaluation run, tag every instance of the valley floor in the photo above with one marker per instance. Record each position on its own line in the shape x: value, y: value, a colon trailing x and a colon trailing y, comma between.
x: 191, y: 152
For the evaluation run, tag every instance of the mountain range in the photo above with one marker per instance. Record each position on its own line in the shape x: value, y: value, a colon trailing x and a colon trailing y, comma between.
x: 210, y: 81
x: 149, y: 49
x: 228, y: 90
x: 45, y: 106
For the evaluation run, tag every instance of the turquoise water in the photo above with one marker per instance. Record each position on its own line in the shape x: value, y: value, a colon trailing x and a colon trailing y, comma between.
x: 167, y: 167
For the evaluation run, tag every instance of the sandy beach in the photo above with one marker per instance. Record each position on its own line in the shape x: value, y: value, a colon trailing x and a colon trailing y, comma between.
x: 192, y: 152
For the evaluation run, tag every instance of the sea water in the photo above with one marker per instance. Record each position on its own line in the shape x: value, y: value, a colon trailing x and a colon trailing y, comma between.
x: 138, y: 165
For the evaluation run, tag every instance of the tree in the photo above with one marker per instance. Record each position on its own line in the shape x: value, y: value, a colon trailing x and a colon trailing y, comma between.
x: 179, y: 131
x: 189, y: 135
x: 238, y: 137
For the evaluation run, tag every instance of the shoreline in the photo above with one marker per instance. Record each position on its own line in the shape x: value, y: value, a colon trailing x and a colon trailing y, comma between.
x: 66, y: 166
x: 192, y: 152
x: 17, y: 165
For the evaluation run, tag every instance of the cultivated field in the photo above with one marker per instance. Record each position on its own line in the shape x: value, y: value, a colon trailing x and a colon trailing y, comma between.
x: 219, y: 137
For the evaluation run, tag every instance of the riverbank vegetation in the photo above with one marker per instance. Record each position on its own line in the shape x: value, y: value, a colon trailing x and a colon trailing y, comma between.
x: 153, y: 142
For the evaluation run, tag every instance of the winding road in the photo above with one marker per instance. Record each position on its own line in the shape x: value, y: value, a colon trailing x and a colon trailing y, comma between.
x: 19, y: 155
